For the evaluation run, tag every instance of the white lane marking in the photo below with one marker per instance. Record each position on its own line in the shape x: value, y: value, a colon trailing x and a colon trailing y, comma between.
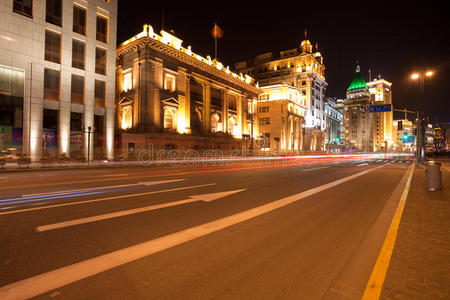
x: 312, y: 169
x: 51, y: 280
x: 106, y: 187
x: 363, y: 164
x: 104, y: 199
x: 204, y: 197
x: 114, y: 175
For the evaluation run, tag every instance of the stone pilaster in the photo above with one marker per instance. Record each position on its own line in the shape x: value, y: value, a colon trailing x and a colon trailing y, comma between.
x: 207, y: 107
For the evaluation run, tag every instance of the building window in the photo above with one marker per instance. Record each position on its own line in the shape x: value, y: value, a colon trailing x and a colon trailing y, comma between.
x: 11, y: 101
x: 264, y: 121
x: 127, y: 81
x: 51, y: 84
x: 78, y: 53
x: 102, y: 29
x: 169, y: 82
x: 216, y: 125
x: 127, y: 117
x: 77, y: 89
x: 52, y: 46
x: 53, y: 12
x: 100, y: 93
x: 168, y: 119
x: 23, y: 7
x: 263, y: 109
x: 232, y: 102
x: 79, y: 19
x: 264, y: 97
x: 100, y: 61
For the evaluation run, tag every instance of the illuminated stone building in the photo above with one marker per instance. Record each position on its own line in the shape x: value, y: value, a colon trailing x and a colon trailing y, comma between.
x: 358, y: 122
x: 57, y: 70
x: 334, y: 118
x: 303, y: 69
x: 381, y: 93
x: 280, y: 118
x: 402, y: 137
x: 172, y: 98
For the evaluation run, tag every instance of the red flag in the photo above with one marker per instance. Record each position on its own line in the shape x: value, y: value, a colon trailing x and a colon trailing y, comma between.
x: 217, y: 32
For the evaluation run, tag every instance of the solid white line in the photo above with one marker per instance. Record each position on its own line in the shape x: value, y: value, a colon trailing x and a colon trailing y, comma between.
x: 105, y: 187
x: 51, y: 280
x: 113, y: 175
x: 104, y: 199
x: 312, y: 169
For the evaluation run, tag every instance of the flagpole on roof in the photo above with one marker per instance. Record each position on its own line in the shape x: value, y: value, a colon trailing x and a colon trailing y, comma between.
x: 215, y: 41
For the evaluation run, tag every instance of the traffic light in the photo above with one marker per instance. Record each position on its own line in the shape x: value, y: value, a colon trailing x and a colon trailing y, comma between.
x: 405, y: 136
x: 400, y: 125
x: 415, y: 131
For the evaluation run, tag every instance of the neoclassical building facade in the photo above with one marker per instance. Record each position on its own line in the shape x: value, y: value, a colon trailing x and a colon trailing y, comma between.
x: 358, y: 122
x: 304, y: 69
x: 281, y: 114
x: 171, y: 97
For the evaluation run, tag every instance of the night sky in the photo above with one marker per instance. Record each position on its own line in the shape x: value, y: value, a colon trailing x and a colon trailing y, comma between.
x: 393, y: 39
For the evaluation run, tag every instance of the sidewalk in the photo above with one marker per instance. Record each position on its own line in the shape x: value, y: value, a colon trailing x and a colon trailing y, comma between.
x: 420, y: 264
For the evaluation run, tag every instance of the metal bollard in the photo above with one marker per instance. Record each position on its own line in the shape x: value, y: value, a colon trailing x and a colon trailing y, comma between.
x: 433, y: 177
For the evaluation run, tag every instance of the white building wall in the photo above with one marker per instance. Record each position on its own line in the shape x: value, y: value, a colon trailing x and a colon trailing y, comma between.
x: 22, y: 45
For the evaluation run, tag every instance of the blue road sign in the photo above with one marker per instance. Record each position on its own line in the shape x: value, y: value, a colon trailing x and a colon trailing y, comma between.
x: 409, y: 139
x: 380, y: 108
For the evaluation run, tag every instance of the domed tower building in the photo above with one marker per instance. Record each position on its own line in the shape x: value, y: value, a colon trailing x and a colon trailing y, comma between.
x: 358, y: 122
x: 302, y: 68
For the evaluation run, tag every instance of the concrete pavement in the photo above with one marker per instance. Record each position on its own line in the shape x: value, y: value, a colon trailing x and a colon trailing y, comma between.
x: 420, y: 263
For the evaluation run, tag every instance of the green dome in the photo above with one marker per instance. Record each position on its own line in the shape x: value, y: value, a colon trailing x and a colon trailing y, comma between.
x: 358, y: 82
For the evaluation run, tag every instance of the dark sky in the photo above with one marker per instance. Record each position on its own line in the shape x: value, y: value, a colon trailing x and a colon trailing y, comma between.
x: 392, y: 38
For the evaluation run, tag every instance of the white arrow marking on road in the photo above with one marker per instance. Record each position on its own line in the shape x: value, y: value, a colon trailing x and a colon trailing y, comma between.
x: 204, y: 197
x: 104, y: 199
x: 107, y: 187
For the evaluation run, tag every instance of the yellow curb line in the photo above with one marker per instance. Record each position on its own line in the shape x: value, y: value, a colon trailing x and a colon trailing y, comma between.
x: 375, y: 283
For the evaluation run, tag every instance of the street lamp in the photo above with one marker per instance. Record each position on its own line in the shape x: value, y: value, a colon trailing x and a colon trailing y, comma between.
x: 420, y: 122
x: 88, y: 130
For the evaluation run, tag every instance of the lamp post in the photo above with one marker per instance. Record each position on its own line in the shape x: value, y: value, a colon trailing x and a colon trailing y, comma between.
x: 420, y: 121
x: 88, y: 131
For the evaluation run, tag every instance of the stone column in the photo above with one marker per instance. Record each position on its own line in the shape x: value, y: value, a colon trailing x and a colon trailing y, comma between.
x: 206, y: 107
x: 155, y: 83
x: 225, y: 111
x: 64, y: 113
x: 89, y: 117
x: 35, y: 105
x: 239, y: 114
x: 181, y: 93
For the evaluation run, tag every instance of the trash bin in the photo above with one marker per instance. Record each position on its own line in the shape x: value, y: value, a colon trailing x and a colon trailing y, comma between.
x: 433, y: 177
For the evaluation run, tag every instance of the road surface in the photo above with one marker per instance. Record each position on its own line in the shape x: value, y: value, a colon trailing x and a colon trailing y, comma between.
x: 297, y: 229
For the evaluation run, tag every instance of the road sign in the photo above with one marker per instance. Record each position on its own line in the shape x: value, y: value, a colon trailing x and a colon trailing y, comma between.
x: 408, y: 140
x: 380, y: 108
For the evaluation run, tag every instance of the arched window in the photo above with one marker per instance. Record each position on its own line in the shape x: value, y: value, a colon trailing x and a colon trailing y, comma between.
x: 168, y: 119
x: 232, y: 126
x: 127, y: 117
x: 215, y: 123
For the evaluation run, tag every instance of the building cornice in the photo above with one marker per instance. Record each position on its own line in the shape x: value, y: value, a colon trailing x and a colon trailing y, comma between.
x: 185, y: 55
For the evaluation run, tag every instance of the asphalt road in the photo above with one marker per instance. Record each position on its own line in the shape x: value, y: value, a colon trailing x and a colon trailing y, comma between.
x: 300, y: 229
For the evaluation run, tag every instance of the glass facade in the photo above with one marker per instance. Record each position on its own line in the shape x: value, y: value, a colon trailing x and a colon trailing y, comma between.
x: 11, y: 109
